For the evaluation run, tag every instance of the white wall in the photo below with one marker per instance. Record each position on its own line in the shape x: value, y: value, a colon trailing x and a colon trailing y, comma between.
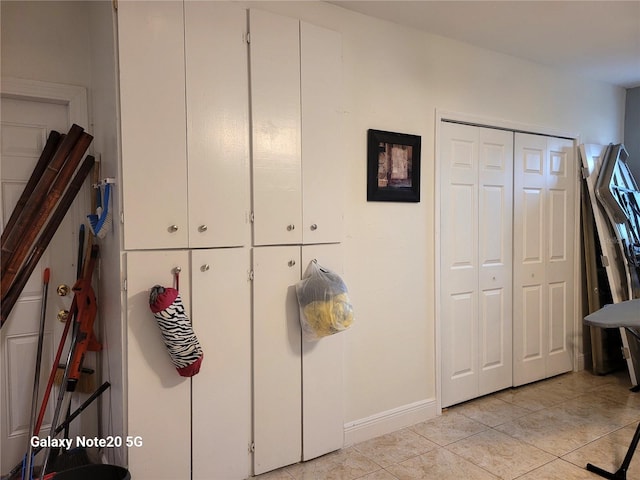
x: 395, y: 79
x: 46, y: 41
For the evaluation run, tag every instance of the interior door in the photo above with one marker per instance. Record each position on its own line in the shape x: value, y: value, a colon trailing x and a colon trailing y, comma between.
x: 476, y: 205
x: 544, y: 232
x: 25, y: 128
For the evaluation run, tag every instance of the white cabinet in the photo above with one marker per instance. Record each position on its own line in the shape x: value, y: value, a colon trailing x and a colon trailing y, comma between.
x: 298, y: 385
x: 152, y: 122
x: 153, y: 385
x: 184, y: 122
x: 217, y: 124
x: 322, y: 373
x: 277, y: 369
x: 221, y: 394
x: 296, y: 101
x: 207, y: 417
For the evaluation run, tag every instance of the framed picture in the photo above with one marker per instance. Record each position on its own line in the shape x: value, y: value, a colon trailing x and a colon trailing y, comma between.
x: 393, y: 167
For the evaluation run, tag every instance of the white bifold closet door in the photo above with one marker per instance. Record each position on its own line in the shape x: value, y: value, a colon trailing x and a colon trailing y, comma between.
x: 544, y: 245
x: 476, y: 261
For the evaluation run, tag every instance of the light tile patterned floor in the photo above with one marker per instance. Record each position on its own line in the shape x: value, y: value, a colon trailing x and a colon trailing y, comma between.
x: 548, y: 430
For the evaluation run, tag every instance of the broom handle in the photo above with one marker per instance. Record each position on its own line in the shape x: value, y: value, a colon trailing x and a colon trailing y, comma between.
x: 47, y: 154
x: 9, y: 300
x: 37, y: 218
x: 40, y: 191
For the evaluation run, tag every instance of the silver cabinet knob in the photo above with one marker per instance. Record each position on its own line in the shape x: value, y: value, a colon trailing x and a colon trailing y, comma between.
x: 291, y: 263
x: 291, y: 227
x: 205, y: 267
x: 173, y: 228
x: 202, y: 228
x: 314, y: 227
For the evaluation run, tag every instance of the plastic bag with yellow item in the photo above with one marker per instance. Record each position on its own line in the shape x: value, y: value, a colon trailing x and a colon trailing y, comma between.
x: 325, y: 307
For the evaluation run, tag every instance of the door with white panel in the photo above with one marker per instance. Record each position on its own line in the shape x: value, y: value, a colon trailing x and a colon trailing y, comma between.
x: 277, y: 369
x: 152, y: 377
x: 221, y: 394
x: 476, y: 260
x: 26, y: 125
x: 544, y: 202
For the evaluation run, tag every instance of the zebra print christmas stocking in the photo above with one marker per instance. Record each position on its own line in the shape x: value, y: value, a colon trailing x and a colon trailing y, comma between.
x: 180, y: 339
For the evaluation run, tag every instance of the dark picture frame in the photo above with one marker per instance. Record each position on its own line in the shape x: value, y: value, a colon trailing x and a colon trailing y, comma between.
x: 393, y: 166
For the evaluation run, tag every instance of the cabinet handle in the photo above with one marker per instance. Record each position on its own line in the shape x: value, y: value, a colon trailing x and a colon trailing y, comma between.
x: 173, y: 228
x: 314, y: 227
x: 205, y: 267
x: 291, y: 227
x: 202, y: 228
x: 291, y: 263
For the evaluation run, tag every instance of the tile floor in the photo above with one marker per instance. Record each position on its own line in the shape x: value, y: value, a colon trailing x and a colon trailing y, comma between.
x: 548, y: 430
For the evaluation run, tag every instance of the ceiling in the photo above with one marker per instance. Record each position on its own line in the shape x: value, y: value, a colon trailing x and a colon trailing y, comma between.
x: 595, y: 39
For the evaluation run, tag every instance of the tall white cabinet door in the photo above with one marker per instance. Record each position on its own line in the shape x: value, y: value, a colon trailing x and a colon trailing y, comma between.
x: 277, y: 383
x: 152, y: 378
x: 322, y: 374
x: 476, y: 261
x: 154, y: 166
x: 322, y: 146
x: 544, y: 191
x: 217, y: 124
x: 221, y: 395
x: 275, y: 130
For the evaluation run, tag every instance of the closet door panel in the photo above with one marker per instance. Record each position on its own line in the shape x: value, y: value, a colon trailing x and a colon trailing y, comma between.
x: 562, y: 180
x: 476, y: 261
x: 322, y: 374
x: 217, y: 124
x: 495, y: 230
x: 544, y: 256
x: 152, y: 377
x: 275, y: 128
x: 459, y: 263
x: 277, y: 372
x: 530, y: 326
x: 322, y: 137
x: 221, y: 395
x: 154, y: 165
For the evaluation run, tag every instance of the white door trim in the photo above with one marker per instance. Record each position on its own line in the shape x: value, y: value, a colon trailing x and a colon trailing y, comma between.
x: 73, y: 96
x: 482, y: 121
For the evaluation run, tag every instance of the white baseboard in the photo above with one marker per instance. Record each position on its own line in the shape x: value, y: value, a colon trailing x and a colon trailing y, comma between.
x: 389, y: 421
